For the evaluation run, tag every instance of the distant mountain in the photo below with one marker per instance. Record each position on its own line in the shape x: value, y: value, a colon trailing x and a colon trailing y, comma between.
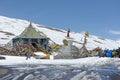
x: 9, y: 28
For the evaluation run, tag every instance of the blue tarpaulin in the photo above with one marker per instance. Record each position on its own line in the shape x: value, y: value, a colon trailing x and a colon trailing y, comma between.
x: 109, y: 53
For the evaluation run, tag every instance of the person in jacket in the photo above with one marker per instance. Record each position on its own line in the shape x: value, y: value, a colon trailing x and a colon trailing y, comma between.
x: 100, y: 53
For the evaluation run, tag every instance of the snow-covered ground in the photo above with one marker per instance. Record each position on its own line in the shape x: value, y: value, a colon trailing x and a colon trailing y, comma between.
x: 88, y: 61
x: 90, y: 68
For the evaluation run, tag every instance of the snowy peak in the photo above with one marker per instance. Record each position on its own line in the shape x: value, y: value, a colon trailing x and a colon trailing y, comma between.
x: 9, y: 28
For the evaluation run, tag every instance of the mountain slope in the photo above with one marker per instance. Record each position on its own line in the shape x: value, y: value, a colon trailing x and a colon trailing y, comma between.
x: 9, y: 28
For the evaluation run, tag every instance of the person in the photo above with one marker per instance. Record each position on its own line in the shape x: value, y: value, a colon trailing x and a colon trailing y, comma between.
x: 104, y: 53
x: 28, y: 52
x: 100, y: 52
x: 114, y: 53
x: 27, y: 56
x: 68, y: 33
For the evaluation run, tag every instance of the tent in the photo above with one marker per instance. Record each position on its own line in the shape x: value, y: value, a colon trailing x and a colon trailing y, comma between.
x: 83, y: 52
x: 70, y: 51
x: 67, y: 52
x: 31, y: 36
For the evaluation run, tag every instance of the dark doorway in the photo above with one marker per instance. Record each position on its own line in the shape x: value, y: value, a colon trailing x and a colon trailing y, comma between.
x: 34, y: 45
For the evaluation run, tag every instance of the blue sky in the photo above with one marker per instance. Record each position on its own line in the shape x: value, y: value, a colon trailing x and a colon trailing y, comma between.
x: 99, y: 17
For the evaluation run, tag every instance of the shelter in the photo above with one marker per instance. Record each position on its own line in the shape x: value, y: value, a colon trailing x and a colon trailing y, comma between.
x: 83, y: 52
x: 31, y: 36
x: 71, y: 52
x: 67, y: 51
